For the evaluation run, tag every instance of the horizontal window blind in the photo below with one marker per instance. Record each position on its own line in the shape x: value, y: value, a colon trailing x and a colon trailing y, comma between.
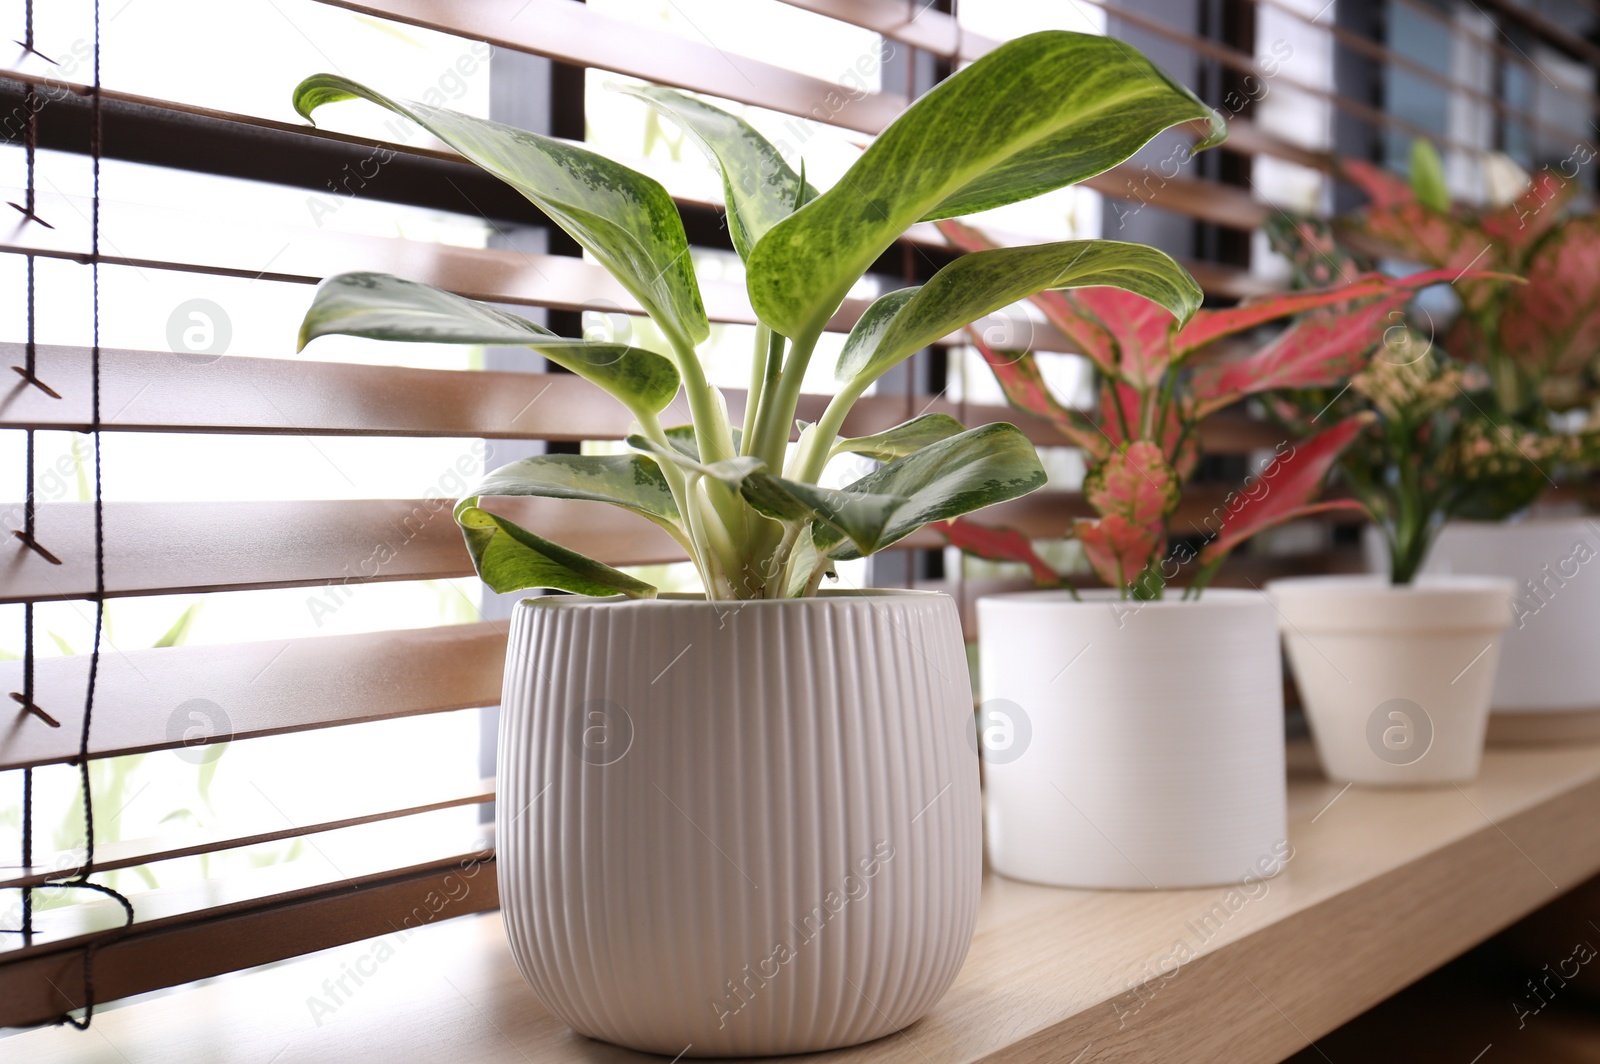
x: 219, y: 190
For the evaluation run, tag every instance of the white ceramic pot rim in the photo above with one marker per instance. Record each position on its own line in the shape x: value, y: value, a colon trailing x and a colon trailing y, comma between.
x: 690, y: 600
x: 1369, y: 603
x: 1098, y: 597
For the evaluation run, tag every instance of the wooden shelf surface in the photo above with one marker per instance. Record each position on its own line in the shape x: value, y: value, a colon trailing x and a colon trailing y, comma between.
x: 1383, y: 887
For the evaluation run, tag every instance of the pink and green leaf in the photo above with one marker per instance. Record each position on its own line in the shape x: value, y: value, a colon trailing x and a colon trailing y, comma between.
x: 1519, y: 225
x: 1383, y: 189
x: 1025, y: 388
x: 999, y: 545
x: 1117, y: 549
x: 1143, y: 331
x: 1136, y: 483
x: 1119, y: 402
x: 1290, y: 482
x: 1208, y: 326
x: 1412, y: 231
x: 1320, y: 349
x: 1554, y: 320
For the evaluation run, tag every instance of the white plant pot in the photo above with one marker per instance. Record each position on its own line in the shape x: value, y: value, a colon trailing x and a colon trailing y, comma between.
x: 738, y: 828
x: 1395, y: 680
x: 1548, y: 685
x: 1129, y: 745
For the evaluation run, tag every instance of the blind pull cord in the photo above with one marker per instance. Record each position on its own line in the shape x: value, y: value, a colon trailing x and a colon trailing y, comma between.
x: 80, y: 880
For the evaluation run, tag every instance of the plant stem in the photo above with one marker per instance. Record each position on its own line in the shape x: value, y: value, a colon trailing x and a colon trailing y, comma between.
x: 813, y: 455
x: 763, y: 382
x: 682, y: 487
x: 711, y: 431
x: 815, y: 580
x: 778, y: 415
x: 1122, y: 415
x: 1410, y: 530
x: 758, y: 380
x: 714, y: 439
x: 776, y: 568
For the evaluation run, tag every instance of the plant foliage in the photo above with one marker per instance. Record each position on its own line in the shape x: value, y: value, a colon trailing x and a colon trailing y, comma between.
x: 1036, y: 114
x: 1141, y: 443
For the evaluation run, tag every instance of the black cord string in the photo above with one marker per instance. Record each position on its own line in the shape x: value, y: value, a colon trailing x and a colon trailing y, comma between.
x: 79, y: 880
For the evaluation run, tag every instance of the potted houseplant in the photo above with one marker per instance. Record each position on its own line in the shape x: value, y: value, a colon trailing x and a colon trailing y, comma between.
x: 1154, y: 750
x: 1535, y: 348
x: 748, y: 822
x: 1396, y: 670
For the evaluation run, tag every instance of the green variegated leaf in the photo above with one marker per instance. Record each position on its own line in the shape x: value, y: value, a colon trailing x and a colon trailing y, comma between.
x: 982, y: 282
x: 903, y: 439
x: 630, y: 481
x: 682, y: 437
x: 860, y: 517
x: 510, y: 558
x: 626, y: 220
x: 867, y: 334
x: 758, y: 186
x: 803, y: 562
x: 977, y: 468
x: 380, y: 307
x: 730, y: 470
x: 1036, y: 114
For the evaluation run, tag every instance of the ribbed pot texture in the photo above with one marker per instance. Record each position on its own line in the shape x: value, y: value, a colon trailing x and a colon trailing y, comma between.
x: 734, y: 828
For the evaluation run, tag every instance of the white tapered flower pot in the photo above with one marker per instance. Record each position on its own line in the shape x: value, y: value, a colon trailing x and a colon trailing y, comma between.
x: 1132, y: 745
x: 1548, y: 685
x: 735, y: 828
x: 1395, y: 680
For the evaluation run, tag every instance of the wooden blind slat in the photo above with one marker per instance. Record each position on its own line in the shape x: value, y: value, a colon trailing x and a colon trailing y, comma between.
x: 1526, y: 16
x: 939, y: 32
x: 263, y: 688
x: 561, y: 30
x: 131, y: 852
x: 149, y: 238
x: 208, y: 940
x: 489, y: 199
x: 1513, y: 55
x: 348, y: 857
x: 1373, y: 50
x: 186, y: 548
x: 572, y: 33
x: 158, y: 391
x: 180, y: 548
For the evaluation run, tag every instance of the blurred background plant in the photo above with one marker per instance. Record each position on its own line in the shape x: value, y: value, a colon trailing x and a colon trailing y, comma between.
x: 1481, y: 403
x: 1154, y: 386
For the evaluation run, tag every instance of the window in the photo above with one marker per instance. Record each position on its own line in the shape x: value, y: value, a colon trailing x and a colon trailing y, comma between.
x: 297, y: 672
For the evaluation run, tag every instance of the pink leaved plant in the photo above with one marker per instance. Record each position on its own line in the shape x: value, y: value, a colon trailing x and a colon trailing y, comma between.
x: 1141, y: 443
x: 1479, y: 411
x: 1539, y: 341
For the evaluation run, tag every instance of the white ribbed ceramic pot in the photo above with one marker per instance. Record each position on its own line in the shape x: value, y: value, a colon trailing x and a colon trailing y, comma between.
x: 1395, y: 680
x: 738, y: 828
x: 1132, y: 745
x: 1547, y: 688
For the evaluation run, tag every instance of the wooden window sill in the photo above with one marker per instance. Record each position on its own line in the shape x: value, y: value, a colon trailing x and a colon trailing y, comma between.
x: 1383, y: 887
